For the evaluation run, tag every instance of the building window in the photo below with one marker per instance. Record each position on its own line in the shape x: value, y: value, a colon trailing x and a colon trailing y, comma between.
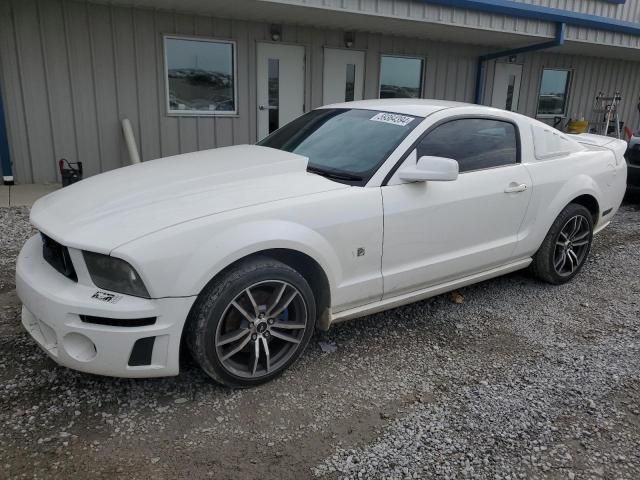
x: 554, y: 92
x: 401, y: 77
x: 201, y: 77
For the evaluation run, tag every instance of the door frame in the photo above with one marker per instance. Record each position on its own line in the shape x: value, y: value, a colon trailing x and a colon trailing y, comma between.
x: 493, y: 84
x: 306, y: 90
x: 364, y: 64
x: 463, y: 116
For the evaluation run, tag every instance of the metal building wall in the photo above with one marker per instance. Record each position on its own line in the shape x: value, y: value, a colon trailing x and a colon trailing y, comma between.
x: 418, y: 10
x: 590, y: 75
x: 628, y: 11
x: 69, y: 71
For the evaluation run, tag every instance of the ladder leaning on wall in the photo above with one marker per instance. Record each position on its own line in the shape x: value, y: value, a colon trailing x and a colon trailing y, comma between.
x: 604, y: 116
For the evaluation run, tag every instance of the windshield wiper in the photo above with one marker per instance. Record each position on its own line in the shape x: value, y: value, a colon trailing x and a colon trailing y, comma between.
x: 334, y: 174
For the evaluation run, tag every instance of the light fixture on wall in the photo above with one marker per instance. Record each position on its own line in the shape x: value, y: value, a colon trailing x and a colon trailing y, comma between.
x: 349, y: 39
x: 276, y: 32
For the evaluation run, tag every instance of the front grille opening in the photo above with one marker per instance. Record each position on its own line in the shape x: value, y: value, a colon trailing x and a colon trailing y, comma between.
x: 142, y: 352
x: 57, y: 256
x: 119, y: 322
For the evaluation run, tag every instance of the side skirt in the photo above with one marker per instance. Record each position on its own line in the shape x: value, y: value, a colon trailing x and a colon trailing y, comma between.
x: 428, y: 292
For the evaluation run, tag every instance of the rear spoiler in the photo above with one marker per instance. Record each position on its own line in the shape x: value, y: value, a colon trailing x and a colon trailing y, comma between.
x: 618, y: 147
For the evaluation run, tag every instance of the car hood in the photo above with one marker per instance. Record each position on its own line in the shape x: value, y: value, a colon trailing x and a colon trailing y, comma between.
x: 105, y: 211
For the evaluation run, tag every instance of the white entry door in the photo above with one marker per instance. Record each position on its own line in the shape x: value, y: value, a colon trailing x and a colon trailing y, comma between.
x: 280, y: 86
x: 343, y: 75
x: 506, y: 86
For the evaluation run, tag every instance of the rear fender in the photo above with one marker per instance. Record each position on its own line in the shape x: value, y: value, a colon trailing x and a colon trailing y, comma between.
x: 548, y: 210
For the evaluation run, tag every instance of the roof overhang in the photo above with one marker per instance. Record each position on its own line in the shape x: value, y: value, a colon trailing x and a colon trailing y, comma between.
x: 290, y: 13
x: 545, y: 14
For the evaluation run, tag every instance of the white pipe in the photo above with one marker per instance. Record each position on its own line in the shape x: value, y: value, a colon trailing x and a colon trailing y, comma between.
x: 130, y: 140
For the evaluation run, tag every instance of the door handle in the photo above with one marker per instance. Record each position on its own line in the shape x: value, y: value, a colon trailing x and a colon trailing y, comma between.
x: 269, y: 107
x: 516, y: 188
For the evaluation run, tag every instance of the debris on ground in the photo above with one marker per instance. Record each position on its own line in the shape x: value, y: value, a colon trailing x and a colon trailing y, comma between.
x: 328, y: 346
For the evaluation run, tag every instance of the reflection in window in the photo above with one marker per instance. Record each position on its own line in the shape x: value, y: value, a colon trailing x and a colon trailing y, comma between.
x: 510, y: 89
x: 554, y: 90
x: 350, y: 85
x: 347, y: 140
x: 200, y: 76
x: 400, y: 77
x: 476, y: 143
x: 274, y: 94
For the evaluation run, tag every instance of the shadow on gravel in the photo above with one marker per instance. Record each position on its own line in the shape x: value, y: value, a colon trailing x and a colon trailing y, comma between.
x: 632, y: 199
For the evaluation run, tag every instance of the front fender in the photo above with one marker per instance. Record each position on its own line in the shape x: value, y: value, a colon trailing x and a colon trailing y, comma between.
x: 205, y: 250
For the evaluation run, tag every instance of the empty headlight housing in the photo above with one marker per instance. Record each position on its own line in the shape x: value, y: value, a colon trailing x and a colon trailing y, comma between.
x: 111, y: 273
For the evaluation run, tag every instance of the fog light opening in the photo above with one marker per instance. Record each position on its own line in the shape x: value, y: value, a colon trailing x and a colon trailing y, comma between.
x: 79, y: 347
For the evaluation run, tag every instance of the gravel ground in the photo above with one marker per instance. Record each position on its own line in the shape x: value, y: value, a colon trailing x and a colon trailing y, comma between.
x: 520, y: 380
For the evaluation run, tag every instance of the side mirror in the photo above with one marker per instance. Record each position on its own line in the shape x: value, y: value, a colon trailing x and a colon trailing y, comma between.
x: 438, y: 169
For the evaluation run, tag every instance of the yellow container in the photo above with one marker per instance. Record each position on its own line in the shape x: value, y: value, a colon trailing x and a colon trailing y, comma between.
x: 577, y: 126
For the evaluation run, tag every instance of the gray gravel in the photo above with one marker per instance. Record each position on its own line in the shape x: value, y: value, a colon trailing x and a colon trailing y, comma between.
x: 521, y: 380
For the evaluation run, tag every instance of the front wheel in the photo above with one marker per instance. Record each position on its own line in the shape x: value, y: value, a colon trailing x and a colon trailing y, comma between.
x: 252, y: 323
x: 566, y: 247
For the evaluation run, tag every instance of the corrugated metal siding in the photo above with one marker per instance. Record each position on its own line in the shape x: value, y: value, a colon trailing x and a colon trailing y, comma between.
x: 70, y: 71
x: 629, y: 11
x: 589, y: 76
x: 417, y: 10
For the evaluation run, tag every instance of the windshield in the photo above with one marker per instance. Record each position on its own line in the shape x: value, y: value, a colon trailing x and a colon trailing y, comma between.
x: 343, y: 144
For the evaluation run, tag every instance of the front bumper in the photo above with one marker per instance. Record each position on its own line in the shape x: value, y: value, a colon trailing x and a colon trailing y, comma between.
x: 53, y: 304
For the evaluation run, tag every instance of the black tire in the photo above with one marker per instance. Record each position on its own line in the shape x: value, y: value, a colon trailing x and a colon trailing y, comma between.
x: 202, y: 332
x: 548, y: 256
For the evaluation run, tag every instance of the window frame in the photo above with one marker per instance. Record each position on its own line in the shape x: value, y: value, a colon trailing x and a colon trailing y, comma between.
x: 423, y: 70
x: 569, y: 85
x: 201, y: 113
x: 437, y: 124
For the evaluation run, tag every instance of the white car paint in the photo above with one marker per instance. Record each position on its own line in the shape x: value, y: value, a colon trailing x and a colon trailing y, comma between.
x: 181, y: 220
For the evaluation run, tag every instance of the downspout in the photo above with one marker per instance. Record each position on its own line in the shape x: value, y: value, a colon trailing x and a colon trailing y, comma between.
x: 5, y: 159
x: 130, y: 141
x: 480, y: 73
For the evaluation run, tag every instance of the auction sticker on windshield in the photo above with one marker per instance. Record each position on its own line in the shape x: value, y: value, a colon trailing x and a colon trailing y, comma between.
x: 393, y: 118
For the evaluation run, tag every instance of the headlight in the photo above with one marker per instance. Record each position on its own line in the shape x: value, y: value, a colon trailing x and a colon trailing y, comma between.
x: 114, y: 274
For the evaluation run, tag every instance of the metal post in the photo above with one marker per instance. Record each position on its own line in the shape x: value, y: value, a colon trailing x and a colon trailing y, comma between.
x: 5, y: 159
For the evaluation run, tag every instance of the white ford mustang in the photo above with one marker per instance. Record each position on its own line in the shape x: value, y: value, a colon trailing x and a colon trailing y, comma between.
x: 239, y: 253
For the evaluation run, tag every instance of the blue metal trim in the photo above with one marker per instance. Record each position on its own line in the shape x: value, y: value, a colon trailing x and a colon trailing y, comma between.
x: 5, y: 159
x: 546, y: 14
x: 561, y: 30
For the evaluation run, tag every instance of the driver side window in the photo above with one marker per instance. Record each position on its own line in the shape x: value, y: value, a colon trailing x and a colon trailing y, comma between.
x: 476, y: 143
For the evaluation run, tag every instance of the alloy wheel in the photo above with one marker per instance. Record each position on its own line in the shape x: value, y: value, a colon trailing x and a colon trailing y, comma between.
x: 572, y: 245
x: 261, y: 329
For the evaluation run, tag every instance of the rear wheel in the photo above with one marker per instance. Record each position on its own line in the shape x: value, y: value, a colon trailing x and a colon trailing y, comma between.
x: 566, y: 246
x: 252, y: 323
